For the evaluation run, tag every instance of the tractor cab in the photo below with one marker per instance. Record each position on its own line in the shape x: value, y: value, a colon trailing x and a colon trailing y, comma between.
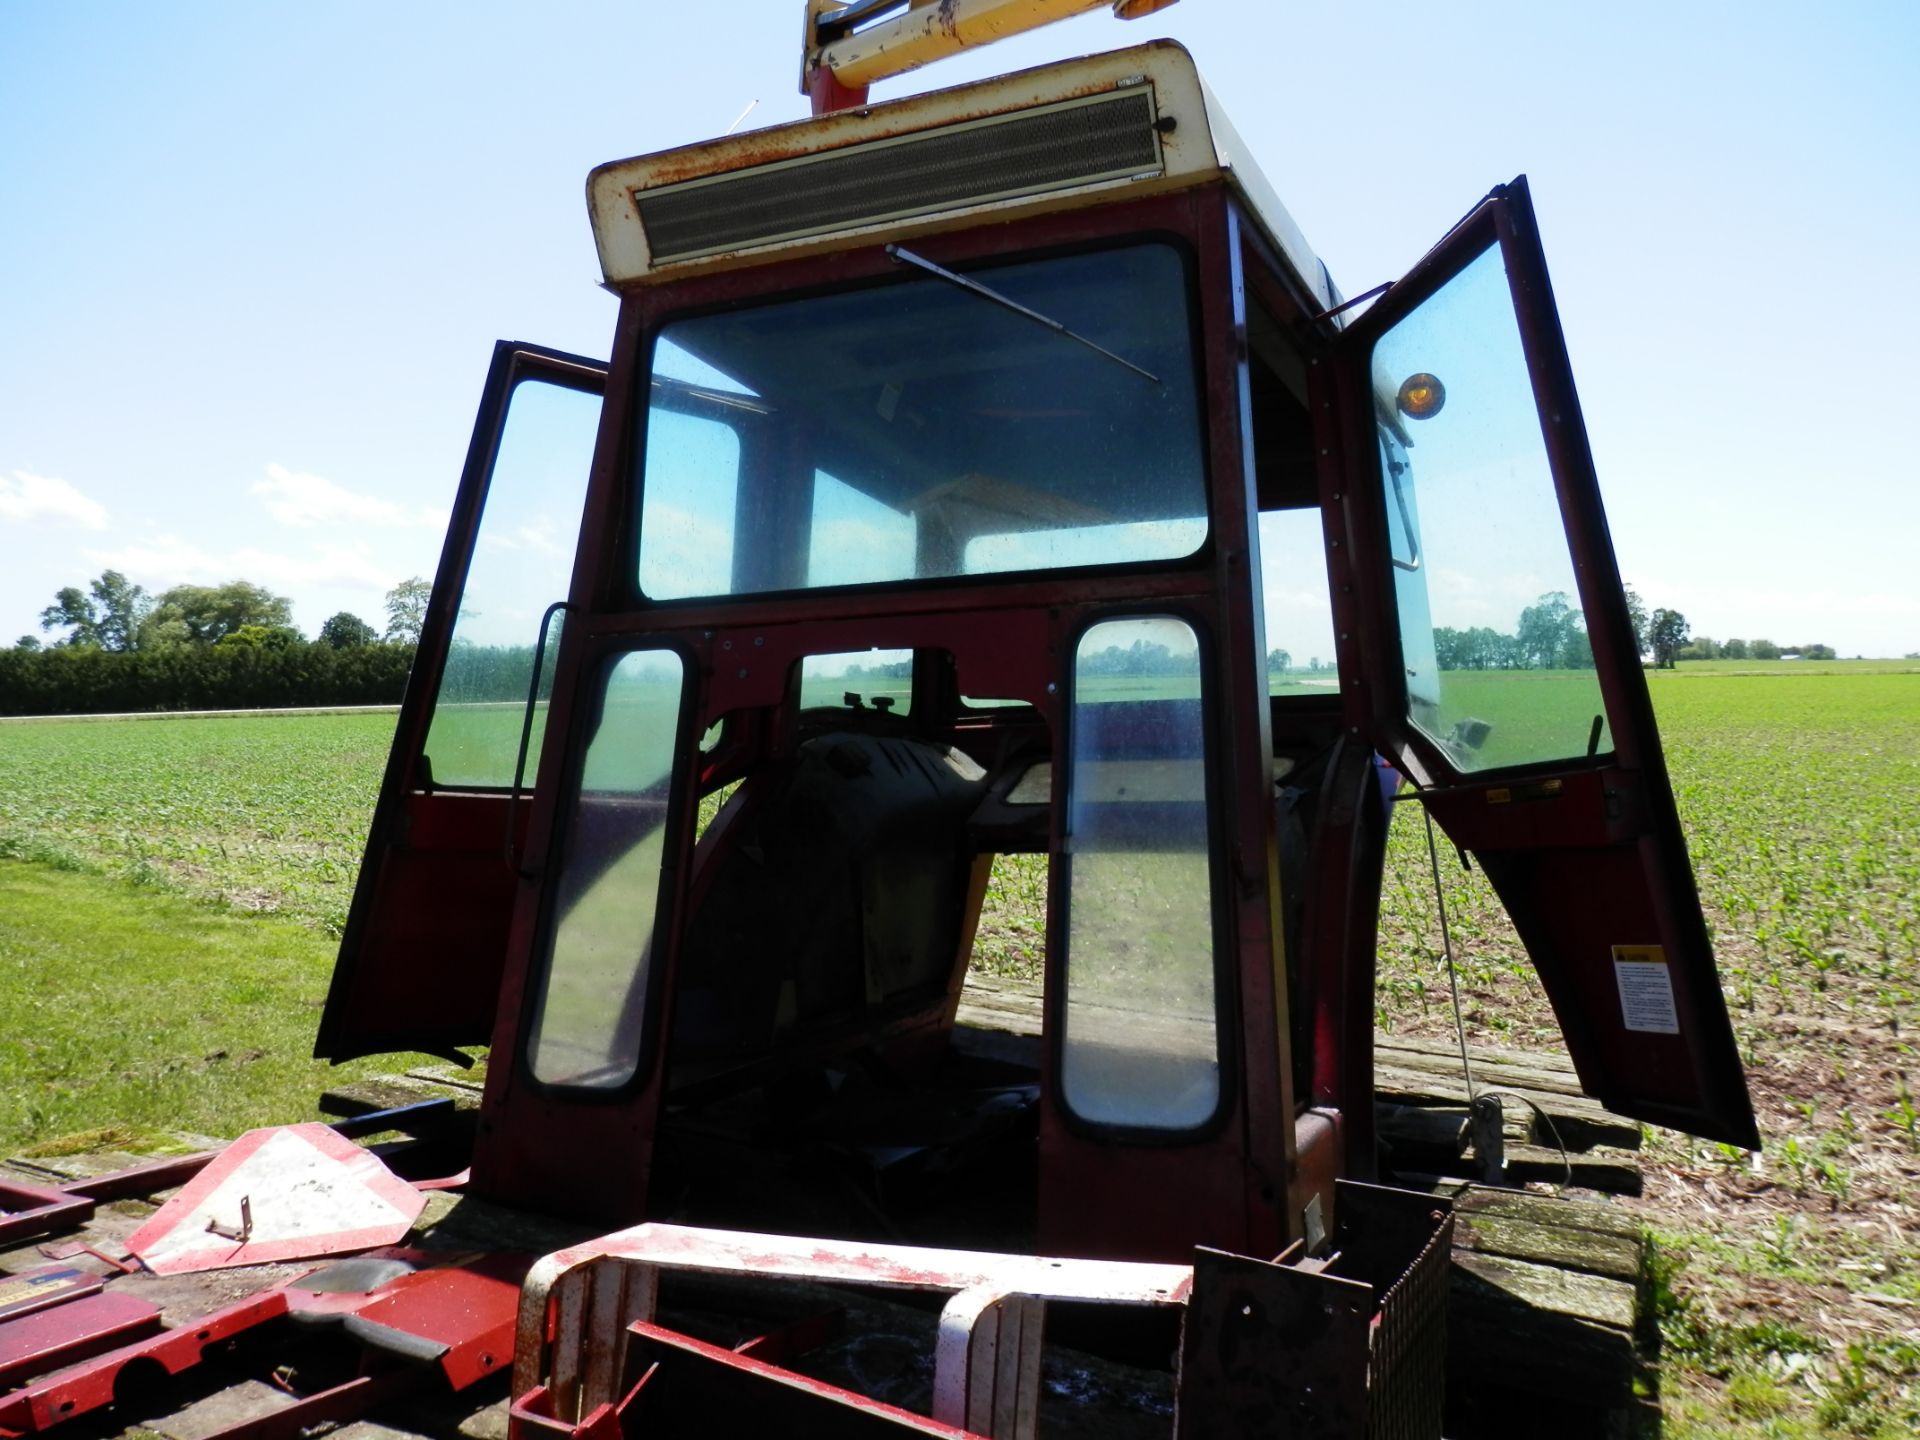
x: 996, y: 476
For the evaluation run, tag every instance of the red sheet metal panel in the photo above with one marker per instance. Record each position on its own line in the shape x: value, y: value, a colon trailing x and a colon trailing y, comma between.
x: 89, y: 1385
x: 467, y: 1310
x: 37, y: 1289
x: 34, y: 1344
x: 30, y: 1210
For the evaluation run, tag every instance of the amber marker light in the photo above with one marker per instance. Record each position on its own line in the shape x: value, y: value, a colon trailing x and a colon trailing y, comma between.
x: 1421, y: 396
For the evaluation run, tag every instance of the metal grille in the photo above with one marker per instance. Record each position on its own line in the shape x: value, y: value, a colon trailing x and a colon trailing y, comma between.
x: 1408, y: 1364
x: 1033, y: 151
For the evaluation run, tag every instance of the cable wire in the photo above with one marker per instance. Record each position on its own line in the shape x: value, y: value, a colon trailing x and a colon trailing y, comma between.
x: 1459, y: 1018
x: 1446, y: 947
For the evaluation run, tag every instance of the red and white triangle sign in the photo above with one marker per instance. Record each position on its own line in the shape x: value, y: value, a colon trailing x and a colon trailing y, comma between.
x: 286, y: 1193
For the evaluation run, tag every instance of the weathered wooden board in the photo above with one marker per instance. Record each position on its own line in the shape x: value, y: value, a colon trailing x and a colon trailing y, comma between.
x: 1564, y: 1247
x: 1567, y: 1212
x: 1616, y: 1172
x: 1577, y: 1121
x: 1548, y: 1060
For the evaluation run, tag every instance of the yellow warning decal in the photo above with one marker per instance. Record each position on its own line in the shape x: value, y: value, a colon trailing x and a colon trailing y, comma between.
x: 13, y: 1289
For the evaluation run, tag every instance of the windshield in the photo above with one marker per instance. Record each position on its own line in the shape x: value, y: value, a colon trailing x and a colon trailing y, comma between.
x: 921, y: 431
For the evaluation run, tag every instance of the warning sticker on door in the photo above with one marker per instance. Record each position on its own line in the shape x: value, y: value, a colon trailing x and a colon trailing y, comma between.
x: 1646, y: 989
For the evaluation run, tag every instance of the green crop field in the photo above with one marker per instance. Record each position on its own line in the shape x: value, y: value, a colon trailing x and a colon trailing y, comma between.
x: 1790, y: 1280
x: 262, y: 812
x: 1788, y: 1286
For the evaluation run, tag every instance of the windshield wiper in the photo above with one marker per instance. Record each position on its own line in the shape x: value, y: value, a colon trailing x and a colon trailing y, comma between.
x: 900, y: 252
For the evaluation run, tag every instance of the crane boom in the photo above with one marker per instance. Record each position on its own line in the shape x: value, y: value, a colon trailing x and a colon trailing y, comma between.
x: 840, y: 61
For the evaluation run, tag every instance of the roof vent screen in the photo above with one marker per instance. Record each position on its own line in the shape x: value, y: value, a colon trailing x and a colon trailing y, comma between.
x: 1029, y: 152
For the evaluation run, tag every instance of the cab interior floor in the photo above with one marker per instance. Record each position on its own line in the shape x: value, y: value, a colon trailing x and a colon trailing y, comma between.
x: 855, y: 1150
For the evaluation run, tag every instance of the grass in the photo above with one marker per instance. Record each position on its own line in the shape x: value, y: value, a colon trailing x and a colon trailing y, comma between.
x: 128, y: 1014
x: 1790, y: 1301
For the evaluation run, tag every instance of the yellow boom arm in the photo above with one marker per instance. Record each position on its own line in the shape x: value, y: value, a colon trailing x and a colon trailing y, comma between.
x: 929, y: 30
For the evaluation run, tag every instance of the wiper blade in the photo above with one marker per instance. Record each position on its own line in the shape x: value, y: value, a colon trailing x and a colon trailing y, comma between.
x: 900, y: 252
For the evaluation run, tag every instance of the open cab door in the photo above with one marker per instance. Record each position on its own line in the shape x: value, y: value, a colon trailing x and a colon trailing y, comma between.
x: 425, y: 942
x: 1504, y: 676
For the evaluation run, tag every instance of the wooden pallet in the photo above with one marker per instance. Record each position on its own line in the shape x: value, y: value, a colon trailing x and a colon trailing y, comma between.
x: 1554, y: 1134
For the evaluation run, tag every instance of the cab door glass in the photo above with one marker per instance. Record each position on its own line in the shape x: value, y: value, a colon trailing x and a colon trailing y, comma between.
x: 591, y: 1012
x: 1298, y: 603
x: 1499, y: 670
x: 1141, y: 1049
x: 522, y: 563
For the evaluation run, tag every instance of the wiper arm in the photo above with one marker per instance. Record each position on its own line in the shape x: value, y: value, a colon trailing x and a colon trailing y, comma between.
x: 900, y: 252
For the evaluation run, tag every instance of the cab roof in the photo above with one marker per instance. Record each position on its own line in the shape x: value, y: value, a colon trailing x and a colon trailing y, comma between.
x: 1075, y: 133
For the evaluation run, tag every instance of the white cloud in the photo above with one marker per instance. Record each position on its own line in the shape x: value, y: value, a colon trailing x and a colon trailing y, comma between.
x: 540, y: 536
x: 298, y: 499
x: 25, y: 496
x: 330, y: 565
x: 1494, y: 596
x: 169, y: 560
x: 685, y: 554
x: 537, y: 535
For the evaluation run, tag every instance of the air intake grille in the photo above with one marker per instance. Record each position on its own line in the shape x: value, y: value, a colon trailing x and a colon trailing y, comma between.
x: 1053, y: 147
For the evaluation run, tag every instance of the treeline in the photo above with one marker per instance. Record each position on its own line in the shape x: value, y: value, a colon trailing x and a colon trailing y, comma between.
x: 84, y: 680
x: 1705, y: 647
x: 1551, y: 635
x: 204, y: 647
x: 494, y: 674
x: 1484, y: 648
x: 1143, y: 657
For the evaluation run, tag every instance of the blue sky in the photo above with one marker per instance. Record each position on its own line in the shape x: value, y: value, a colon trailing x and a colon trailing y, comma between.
x: 252, y: 258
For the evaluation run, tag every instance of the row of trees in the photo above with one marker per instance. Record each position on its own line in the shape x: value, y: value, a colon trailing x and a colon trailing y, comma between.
x: 1552, y: 635
x: 1705, y: 647
x: 117, y: 616
x: 1659, y: 633
x: 1280, y: 662
x: 80, y: 680
x: 1143, y: 657
x: 1150, y: 657
x: 204, y: 647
